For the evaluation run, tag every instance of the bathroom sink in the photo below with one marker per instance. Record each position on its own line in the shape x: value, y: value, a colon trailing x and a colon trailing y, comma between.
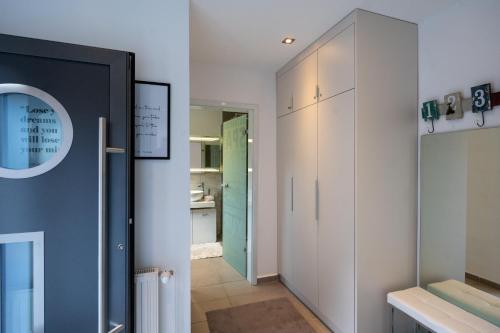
x: 196, y: 195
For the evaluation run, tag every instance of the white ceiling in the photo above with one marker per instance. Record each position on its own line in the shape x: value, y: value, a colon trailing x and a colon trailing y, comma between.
x: 248, y: 33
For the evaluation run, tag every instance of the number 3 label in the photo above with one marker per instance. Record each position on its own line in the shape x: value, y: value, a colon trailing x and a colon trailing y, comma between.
x: 481, y: 99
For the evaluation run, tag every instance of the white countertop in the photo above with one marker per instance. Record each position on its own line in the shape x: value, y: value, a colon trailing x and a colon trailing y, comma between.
x: 202, y: 204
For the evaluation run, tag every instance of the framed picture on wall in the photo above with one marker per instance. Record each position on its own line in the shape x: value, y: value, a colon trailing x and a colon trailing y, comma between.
x: 152, y: 120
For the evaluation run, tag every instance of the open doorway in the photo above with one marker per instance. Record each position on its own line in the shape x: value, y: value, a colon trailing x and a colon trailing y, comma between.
x: 222, y: 183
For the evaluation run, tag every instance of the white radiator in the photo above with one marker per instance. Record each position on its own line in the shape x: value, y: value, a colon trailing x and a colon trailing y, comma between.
x: 150, y: 284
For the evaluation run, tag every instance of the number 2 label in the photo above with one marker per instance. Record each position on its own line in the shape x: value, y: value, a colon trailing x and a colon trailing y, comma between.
x: 454, y: 100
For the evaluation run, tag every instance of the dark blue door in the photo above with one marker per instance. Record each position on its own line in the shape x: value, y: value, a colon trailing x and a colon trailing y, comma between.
x: 65, y: 236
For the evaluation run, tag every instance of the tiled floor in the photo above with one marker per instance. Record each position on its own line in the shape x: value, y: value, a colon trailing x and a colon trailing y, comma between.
x: 216, y: 285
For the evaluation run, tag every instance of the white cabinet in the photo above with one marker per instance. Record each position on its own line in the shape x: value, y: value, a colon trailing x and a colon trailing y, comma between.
x: 204, y: 228
x: 336, y: 64
x: 296, y: 201
x: 284, y: 94
x: 304, y: 81
x: 336, y: 214
x: 343, y: 246
x: 285, y: 183
x: 304, y: 224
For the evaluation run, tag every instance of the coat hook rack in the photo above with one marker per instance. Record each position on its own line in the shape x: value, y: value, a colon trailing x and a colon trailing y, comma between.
x: 482, y: 99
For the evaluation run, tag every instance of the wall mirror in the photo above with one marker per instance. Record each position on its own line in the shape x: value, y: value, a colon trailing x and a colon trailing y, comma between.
x: 205, y: 155
x: 211, y: 155
x: 460, y: 219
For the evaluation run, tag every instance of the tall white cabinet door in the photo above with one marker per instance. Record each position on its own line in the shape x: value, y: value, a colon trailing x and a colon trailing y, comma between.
x: 304, y: 222
x: 336, y: 210
x: 285, y: 197
x: 284, y: 98
x: 304, y: 81
x: 336, y: 64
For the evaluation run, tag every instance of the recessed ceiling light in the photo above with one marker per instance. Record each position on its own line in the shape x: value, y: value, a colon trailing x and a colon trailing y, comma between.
x: 288, y: 40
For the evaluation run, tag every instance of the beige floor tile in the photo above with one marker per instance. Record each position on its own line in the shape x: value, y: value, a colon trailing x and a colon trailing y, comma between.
x: 253, y: 297
x: 204, y: 279
x: 204, y: 263
x: 200, y: 327
x: 217, y: 304
x: 218, y: 261
x: 216, y: 285
x: 229, y: 274
x: 239, y: 288
x: 197, y: 314
x: 205, y: 294
x: 273, y: 287
x: 318, y: 326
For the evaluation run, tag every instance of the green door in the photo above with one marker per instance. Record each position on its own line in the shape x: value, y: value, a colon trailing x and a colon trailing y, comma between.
x: 234, y: 193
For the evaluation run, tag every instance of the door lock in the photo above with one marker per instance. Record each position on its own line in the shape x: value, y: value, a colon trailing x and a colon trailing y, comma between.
x: 120, y: 247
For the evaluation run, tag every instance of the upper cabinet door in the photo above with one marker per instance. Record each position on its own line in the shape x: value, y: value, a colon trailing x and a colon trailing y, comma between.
x: 284, y: 98
x: 305, y: 80
x: 336, y: 64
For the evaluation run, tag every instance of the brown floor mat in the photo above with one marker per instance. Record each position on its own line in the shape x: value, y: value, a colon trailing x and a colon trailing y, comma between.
x: 273, y: 316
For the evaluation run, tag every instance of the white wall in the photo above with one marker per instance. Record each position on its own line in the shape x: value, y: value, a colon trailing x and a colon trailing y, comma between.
x: 457, y: 50
x: 249, y: 86
x: 205, y: 123
x: 158, y: 32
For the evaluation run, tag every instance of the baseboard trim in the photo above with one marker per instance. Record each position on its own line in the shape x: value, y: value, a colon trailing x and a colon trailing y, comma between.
x: 267, y: 278
x: 482, y: 280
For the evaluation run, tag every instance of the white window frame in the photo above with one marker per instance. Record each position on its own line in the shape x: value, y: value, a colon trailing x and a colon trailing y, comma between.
x: 37, y: 238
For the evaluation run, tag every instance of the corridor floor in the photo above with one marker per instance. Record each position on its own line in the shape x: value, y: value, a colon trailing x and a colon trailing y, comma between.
x: 216, y: 285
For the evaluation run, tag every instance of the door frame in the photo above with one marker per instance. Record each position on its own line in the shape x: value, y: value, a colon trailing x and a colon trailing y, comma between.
x: 121, y: 69
x: 252, y: 177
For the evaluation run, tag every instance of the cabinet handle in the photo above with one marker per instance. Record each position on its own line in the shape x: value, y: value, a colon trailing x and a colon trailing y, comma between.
x: 317, y: 200
x: 291, y: 194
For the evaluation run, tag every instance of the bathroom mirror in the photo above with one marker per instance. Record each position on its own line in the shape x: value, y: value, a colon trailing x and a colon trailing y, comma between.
x: 460, y: 219
x: 211, y: 155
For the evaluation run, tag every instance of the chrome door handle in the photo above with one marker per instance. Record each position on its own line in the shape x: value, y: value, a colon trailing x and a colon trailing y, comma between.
x: 117, y: 328
x: 101, y: 307
x: 102, y: 211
